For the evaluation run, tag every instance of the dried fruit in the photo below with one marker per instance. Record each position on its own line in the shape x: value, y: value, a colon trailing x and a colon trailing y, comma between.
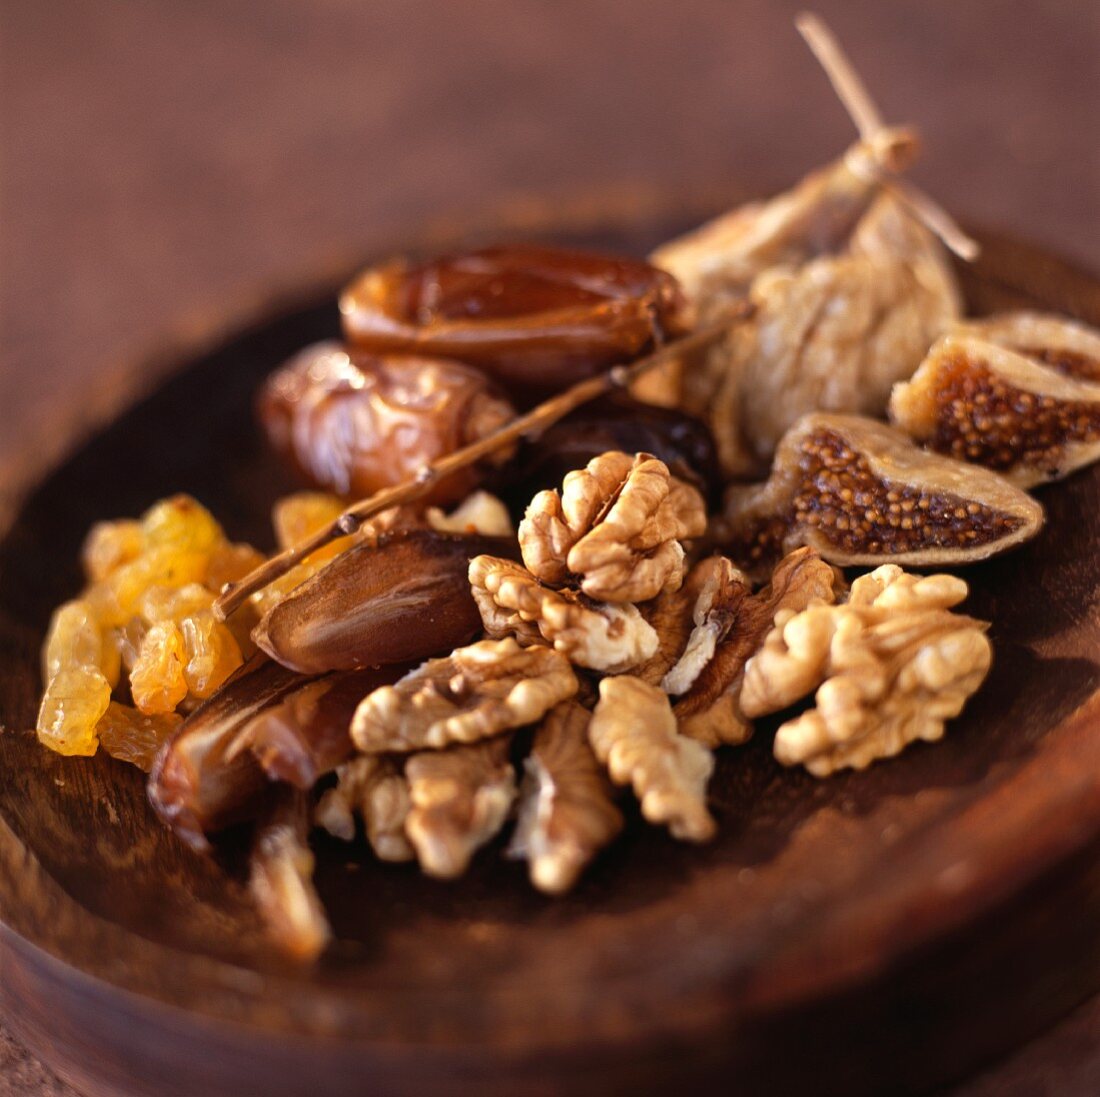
x: 198, y: 784
x: 597, y: 635
x: 567, y: 810
x: 858, y: 492
x: 374, y: 787
x: 475, y: 693
x: 397, y: 600
x: 75, y: 639
x: 281, y: 879
x: 847, y: 292
x: 1068, y: 346
x: 109, y: 545
x: 617, y: 525
x: 533, y: 316
x: 617, y: 422
x: 459, y: 799
x: 633, y: 733
x: 157, y: 682
x: 72, y: 705
x: 979, y: 402
x: 297, y: 517
x: 134, y: 737
x: 305, y: 735
x: 710, y: 709
x: 480, y: 513
x: 352, y: 423
x: 890, y: 666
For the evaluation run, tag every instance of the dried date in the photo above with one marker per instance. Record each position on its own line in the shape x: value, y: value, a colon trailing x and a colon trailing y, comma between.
x: 351, y: 422
x: 536, y: 318
x: 398, y: 600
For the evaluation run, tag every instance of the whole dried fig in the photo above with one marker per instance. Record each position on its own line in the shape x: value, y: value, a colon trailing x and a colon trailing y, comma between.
x: 399, y: 599
x: 535, y: 317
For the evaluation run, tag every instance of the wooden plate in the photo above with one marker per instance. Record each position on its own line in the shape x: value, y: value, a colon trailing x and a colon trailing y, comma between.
x: 886, y: 929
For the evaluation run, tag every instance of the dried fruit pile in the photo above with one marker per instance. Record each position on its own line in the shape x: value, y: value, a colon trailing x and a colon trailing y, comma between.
x: 587, y: 618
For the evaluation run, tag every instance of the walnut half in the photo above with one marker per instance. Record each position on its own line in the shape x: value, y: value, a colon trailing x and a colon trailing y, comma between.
x: 617, y: 525
x: 567, y: 810
x: 890, y: 666
x: 633, y: 732
x: 476, y: 692
x: 598, y: 635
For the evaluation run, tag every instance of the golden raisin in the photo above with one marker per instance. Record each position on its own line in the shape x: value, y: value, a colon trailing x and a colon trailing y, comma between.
x: 211, y: 651
x: 133, y: 736
x: 181, y: 524
x: 296, y: 517
x: 157, y: 682
x: 74, y: 640
x: 71, y: 707
x: 109, y: 545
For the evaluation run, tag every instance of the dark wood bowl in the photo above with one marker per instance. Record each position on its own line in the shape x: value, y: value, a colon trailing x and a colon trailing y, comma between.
x: 882, y: 930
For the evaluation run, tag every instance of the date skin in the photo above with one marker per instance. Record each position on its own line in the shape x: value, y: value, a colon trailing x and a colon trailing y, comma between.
x: 537, y: 318
x: 616, y: 422
x: 352, y: 422
x: 401, y: 599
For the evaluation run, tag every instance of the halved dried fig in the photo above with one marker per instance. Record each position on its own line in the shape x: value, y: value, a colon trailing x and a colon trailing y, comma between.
x: 1070, y: 347
x: 352, y: 422
x: 399, y: 599
x: 980, y: 402
x: 860, y: 492
x: 533, y: 316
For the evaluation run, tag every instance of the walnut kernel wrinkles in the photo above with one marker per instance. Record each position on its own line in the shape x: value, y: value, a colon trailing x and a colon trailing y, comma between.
x: 476, y: 692
x: 890, y: 666
x: 373, y: 787
x: 459, y: 799
x: 710, y: 711
x: 633, y: 733
x: 859, y: 491
x: 603, y: 636
x: 567, y: 810
x: 979, y: 402
x: 673, y: 612
x: 616, y: 526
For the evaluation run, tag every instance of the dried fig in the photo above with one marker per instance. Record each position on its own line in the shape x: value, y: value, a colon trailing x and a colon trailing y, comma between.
x: 536, y: 318
x: 400, y: 599
x: 1068, y: 346
x: 352, y: 422
x: 859, y: 492
x: 980, y: 402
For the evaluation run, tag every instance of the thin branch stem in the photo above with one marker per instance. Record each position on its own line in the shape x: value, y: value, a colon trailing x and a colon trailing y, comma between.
x: 538, y: 419
x: 861, y: 108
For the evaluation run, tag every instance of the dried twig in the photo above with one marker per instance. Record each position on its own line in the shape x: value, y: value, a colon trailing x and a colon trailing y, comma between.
x: 857, y: 101
x: 534, y: 421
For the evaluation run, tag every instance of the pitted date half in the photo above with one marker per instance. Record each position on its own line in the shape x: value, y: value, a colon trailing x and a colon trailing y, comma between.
x: 352, y: 422
x: 399, y: 600
x: 536, y: 318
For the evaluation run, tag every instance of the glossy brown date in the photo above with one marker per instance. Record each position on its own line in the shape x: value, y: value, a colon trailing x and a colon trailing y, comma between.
x: 616, y: 422
x: 400, y: 600
x: 305, y: 735
x: 352, y: 422
x: 537, y: 318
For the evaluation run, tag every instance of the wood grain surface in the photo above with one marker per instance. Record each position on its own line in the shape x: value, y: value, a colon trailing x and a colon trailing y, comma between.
x: 165, y: 164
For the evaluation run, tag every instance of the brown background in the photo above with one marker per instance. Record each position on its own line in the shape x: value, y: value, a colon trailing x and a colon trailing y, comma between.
x: 166, y: 164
